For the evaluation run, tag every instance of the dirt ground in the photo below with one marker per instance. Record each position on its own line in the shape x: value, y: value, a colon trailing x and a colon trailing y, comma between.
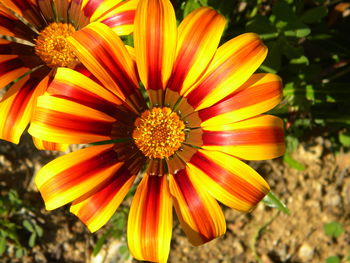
x: 318, y: 195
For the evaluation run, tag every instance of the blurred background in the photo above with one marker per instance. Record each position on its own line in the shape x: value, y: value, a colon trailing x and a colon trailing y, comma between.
x: 309, y: 47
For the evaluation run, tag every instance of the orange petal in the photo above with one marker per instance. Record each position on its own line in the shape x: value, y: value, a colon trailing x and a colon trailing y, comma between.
x: 150, y: 220
x: 26, y: 8
x: 77, y: 174
x: 120, y: 17
x: 11, y: 68
x: 155, y: 39
x: 74, y: 86
x: 16, y: 107
x: 259, y: 94
x: 234, y: 62
x: 63, y: 121
x: 199, y: 36
x: 105, y: 56
x: 50, y: 146
x: 228, y: 179
x: 258, y: 138
x: 98, y: 208
x: 200, y: 215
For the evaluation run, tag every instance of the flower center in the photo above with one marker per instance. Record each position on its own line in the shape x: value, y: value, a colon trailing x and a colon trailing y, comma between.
x: 52, y: 45
x: 159, y: 132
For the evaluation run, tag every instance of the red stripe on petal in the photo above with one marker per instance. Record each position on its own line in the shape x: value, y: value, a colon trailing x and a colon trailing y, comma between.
x: 64, y: 121
x: 9, y: 65
x: 209, y: 83
x: 237, y: 186
x: 199, y: 213
x: 74, y: 93
x: 123, y: 18
x: 152, y: 204
x: 254, y: 136
x: 79, y: 173
x: 101, y: 198
x: 101, y: 51
x: 22, y: 4
x: 244, y: 98
x: 21, y: 101
x: 91, y: 7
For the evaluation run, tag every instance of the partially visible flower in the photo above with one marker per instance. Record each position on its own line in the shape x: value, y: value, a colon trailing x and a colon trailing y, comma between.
x: 36, y: 44
x: 201, y: 115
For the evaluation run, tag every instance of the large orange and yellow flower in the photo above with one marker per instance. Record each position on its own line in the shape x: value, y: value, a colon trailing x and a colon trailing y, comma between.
x: 36, y: 45
x: 200, y: 115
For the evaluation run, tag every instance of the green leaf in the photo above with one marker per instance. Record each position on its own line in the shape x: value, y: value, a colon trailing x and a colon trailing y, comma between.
x: 32, y: 238
x: 314, y: 15
x: 301, y: 31
x: 99, y: 245
x: 225, y: 7
x: 272, y: 200
x: 2, y: 245
x: 288, y: 159
x: 190, y: 6
x: 262, y: 26
x: 27, y: 225
x: 124, y: 251
x: 273, y: 59
x: 300, y: 60
x: 283, y: 12
x: 39, y: 230
x: 333, y: 229
x: 101, y: 241
x: 344, y: 139
x: 20, y: 252
x: 333, y: 259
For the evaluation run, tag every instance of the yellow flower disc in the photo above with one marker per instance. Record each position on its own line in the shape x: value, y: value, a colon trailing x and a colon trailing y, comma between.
x: 159, y: 132
x: 52, y: 45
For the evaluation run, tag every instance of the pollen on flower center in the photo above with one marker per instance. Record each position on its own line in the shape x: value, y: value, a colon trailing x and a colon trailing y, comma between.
x: 52, y: 45
x: 159, y: 132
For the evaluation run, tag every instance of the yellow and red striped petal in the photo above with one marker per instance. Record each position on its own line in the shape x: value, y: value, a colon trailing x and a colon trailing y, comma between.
x: 10, y: 25
x: 26, y: 8
x: 104, y: 54
x: 64, y: 121
x: 17, y: 105
x: 150, y: 220
x: 11, y: 68
x: 155, y: 37
x: 199, y: 214
x: 96, y: 8
x: 98, y: 208
x: 75, y: 86
x: 258, y: 138
x: 77, y: 174
x: 50, y: 146
x: 227, y: 179
x: 11, y: 5
x: 120, y: 17
x: 198, y: 38
x: 233, y: 64
x: 259, y: 94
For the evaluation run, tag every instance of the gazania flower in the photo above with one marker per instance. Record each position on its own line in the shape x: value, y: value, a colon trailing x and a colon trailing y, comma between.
x: 37, y: 46
x: 200, y: 115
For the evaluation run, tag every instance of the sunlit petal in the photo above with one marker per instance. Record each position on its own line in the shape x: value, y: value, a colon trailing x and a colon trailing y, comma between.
x: 150, y: 220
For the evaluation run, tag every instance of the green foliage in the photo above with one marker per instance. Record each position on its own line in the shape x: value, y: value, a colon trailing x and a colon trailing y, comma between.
x: 272, y: 200
x: 333, y: 259
x: 16, y: 216
x: 333, y: 229
x: 115, y: 229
